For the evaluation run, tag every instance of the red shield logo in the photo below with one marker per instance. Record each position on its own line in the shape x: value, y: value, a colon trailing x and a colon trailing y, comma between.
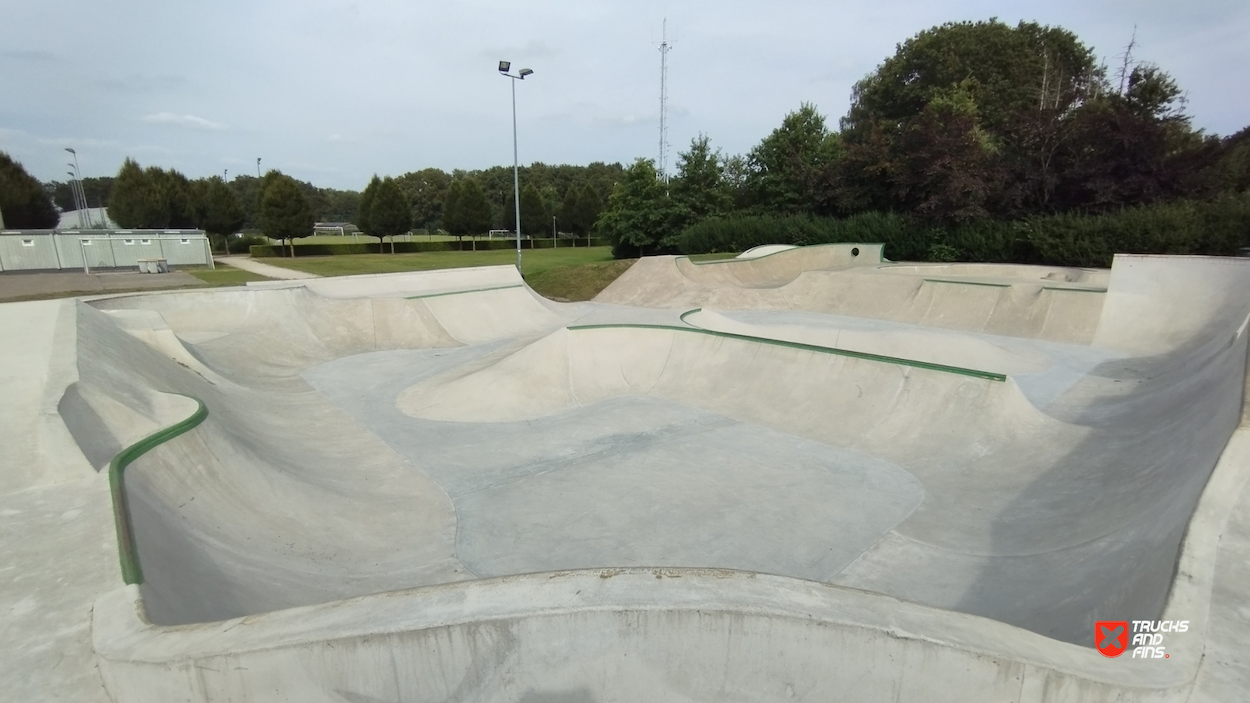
x: 1111, y: 637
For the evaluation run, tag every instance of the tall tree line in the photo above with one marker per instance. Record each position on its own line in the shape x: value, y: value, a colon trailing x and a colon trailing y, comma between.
x: 966, y: 122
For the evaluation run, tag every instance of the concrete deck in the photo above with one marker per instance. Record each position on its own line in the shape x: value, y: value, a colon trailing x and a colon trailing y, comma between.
x: 837, y: 475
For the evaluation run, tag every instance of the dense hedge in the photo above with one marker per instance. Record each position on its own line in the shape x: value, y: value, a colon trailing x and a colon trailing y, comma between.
x: 1219, y: 227
x: 264, y: 250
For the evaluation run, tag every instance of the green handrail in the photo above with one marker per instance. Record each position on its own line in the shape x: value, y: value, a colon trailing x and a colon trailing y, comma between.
x: 126, y: 548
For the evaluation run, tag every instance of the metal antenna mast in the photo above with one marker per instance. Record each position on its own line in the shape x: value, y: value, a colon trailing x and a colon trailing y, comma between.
x: 664, y: 47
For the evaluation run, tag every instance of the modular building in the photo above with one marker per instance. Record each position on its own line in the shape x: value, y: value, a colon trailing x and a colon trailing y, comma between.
x: 30, y: 250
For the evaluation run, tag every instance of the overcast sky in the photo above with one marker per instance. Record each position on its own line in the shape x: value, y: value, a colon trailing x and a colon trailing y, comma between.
x: 332, y: 91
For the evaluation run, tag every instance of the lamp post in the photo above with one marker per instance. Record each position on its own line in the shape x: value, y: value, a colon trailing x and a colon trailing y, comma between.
x: 73, y: 190
x: 257, y: 168
x: 81, y: 195
x: 504, y: 68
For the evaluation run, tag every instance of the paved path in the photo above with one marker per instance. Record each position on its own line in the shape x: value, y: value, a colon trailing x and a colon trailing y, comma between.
x: 249, y: 264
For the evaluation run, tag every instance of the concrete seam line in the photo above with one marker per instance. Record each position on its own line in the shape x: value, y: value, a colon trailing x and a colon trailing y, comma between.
x: 126, y: 548
x: 967, y: 283
x: 462, y: 292
x: 989, y: 375
x: 1076, y: 290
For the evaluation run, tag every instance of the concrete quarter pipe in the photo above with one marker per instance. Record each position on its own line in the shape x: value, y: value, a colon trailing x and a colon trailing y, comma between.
x: 807, y: 473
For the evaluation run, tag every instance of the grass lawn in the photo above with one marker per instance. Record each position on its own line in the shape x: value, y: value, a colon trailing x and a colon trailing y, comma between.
x: 224, y: 275
x: 533, y: 262
x: 564, y: 274
x: 567, y: 284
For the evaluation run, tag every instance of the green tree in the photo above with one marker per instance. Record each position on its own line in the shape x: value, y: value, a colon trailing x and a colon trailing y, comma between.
x: 791, y: 170
x: 178, y: 206
x: 475, y: 209
x: 1129, y: 148
x: 341, y: 205
x: 466, y: 211
x: 700, y: 186
x: 639, y: 214
x: 247, y: 190
x: 284, y: 211
x: 579, y: 210
x: 222, y: 213
x: 426, y: 190
x: 137, y: 202
x: 365, y: 210
x: 451, y: 208
x: 947, y: 170
x: 96, y: 190
x: 23, y: 202
x: 535, y: 218
x: 389, y: 212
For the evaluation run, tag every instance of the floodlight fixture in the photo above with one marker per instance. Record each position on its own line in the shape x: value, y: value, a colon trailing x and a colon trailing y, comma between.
x: 504, y: 67
x: 71, y: 151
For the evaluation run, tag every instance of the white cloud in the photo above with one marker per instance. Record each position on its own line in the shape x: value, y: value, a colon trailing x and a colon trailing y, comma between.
x: 191, y: 121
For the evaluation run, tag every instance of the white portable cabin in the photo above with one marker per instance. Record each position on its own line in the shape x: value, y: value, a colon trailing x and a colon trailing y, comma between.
x: 32, y: 250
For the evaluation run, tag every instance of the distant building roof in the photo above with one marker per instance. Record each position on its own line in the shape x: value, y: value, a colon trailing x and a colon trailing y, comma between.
x: 75, y: 219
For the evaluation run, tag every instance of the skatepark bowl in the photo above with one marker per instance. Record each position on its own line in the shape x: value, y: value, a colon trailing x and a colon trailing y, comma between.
x: 801, y: 475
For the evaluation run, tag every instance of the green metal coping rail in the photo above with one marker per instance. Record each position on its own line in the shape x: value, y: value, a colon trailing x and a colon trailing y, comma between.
x: 131, y: 573
x: 974, y: 373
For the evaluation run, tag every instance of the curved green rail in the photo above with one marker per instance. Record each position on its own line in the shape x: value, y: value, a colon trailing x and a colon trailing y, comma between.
x: 866, y: 356
x: 129, y: 554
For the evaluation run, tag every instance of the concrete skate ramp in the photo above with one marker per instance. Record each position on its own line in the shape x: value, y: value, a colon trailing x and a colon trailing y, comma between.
x: 1055, y: 303
x: 963, y: 435
x: 430, y: 435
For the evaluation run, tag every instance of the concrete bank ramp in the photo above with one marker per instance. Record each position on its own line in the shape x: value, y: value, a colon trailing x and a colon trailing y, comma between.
x: 424, y: 438
x: 1054, y: 303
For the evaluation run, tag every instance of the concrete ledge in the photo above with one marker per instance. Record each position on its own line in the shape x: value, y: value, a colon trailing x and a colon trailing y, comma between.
x: 636, y: 634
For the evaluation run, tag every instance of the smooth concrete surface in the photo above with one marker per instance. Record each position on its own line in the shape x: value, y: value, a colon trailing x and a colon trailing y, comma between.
x: 401, y: 476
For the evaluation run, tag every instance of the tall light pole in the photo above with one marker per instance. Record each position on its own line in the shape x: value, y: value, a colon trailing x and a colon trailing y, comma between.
x: 504, y: 68
x: 81, y: 196
x: 258, y: 168
x: 73, y: 189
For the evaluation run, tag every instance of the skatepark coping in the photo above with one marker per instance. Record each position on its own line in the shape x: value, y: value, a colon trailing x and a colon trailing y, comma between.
x: 126, y: 548
x: 975, y: 373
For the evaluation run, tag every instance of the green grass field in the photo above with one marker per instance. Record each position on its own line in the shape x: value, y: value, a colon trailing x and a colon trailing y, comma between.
x: 566, y: 274
x: 532, y: 261
x: 224, y: 275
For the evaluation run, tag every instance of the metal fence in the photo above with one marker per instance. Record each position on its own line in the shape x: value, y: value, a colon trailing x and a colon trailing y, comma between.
x: 32, y: 250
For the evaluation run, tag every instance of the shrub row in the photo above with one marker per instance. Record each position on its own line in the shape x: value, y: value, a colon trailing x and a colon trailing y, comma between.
x: 1219, y: 227
x: 266, y: 250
